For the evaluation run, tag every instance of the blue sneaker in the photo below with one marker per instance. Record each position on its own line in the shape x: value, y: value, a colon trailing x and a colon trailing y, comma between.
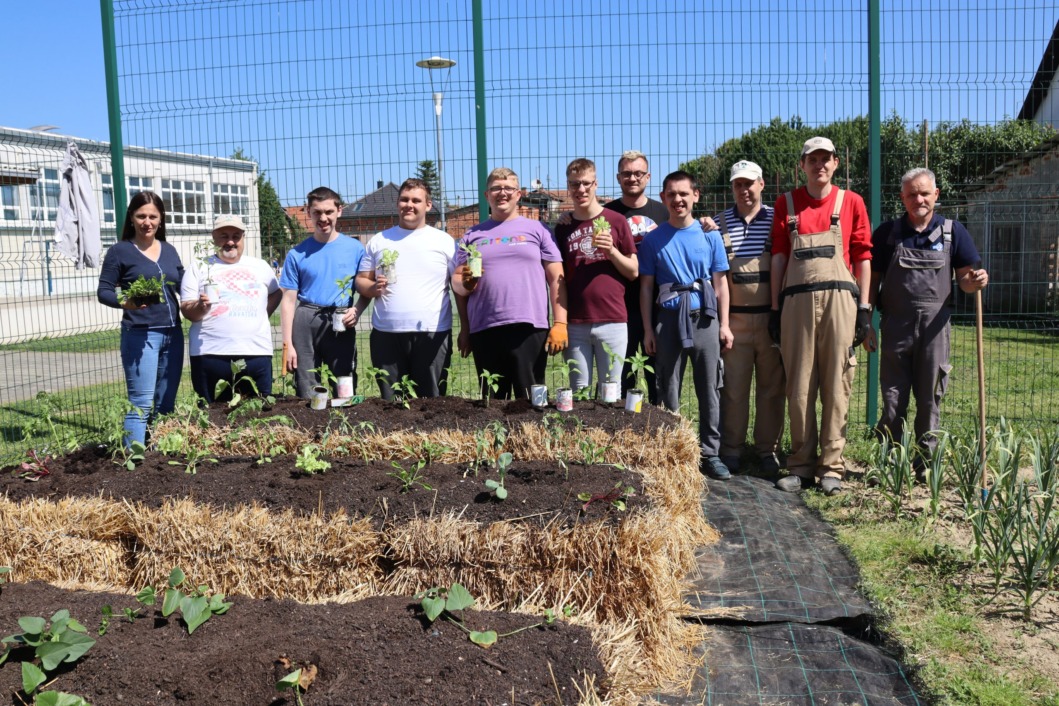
x: 713, y: 467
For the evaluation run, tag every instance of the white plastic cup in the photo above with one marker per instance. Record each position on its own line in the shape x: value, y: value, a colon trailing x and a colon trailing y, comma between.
x: 345, y: 386
x: 539, y: 395
x: 389, y: 272
x: 474, y: 264
x: 609, y: 392
x: 634, y: 401
x: 337, y: 325
x: 212, y: 292
x: 319, y: 397
x: 564, y: 399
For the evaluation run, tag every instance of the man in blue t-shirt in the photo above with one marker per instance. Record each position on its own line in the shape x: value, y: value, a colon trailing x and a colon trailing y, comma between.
x: 912, y: 263
x: 312, y: 294
x: 690, y: 312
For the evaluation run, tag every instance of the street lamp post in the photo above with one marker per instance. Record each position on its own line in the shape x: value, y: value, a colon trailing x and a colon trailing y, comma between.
x: 432, y: 64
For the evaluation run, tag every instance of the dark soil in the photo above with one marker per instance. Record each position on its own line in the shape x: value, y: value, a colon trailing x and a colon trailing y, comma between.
x: 376, y: 651
x: 459, y: 413
x: 538, y: 490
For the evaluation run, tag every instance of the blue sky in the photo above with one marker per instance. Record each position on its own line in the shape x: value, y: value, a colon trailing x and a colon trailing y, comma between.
x: 323, y: 92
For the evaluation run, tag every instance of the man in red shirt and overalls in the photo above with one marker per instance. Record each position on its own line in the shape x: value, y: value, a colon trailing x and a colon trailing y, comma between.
x: 821, y: 270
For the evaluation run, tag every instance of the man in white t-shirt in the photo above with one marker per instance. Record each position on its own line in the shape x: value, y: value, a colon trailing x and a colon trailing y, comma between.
x: 235, y: 326
x: 405, y: 271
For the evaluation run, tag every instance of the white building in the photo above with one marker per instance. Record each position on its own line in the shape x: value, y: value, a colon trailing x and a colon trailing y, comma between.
x: 41, y: 292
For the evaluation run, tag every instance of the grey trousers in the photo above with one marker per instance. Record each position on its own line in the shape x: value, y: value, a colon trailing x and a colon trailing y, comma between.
x: 424, y: 356
x: 707, y: 372
x: 315, y: 342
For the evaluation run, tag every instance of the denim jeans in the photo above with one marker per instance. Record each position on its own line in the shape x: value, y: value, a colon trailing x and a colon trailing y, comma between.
x: 153, y: 360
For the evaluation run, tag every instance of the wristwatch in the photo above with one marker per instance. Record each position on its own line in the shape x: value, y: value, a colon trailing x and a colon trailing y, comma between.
x: 864, y: 307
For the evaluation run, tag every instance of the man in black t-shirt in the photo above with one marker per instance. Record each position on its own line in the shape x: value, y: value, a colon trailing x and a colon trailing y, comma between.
x: 644, y: 215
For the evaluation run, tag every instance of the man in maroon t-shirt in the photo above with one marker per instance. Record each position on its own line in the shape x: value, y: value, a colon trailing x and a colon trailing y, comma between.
x: 599, y: 257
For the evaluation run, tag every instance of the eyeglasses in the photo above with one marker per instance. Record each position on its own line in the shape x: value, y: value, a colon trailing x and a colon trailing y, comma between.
x: 632, y: 175
x: 580, y: 184
x: 506, y: 190
x: 224, y: 238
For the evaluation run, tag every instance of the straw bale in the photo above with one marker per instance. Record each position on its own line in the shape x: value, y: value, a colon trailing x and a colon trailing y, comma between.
x: 71, y: 539
x: 635, y: 568
x: 253, y: 552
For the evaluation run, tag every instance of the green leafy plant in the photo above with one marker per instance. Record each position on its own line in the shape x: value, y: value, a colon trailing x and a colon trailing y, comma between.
x: 892, y: 473
x: 345, y: 288
x: 326, y: 377
x: 263, y: 435
x: 5, y: 571
x: 43, y: 422
x: 132, y: 456
x: 195, y: 604
x: 428, y: 450
x: 404, y: 390
x: 144, y: 290
x: 298, y: 681
x: 309, y: 461
x: 377, y: 373
x: 59, y: 640
x: 203, y: 253
x: 410, y: 476
x: 591, y: 452
x: 389, y: 258
x: 59, y: 698
x: 934, y: 471
x: 600, y: 226
x: 196, y: 454
x: 616, y: 496
x: 637, y: 368
x: 612, y: 359
x: 472, y: 250
x: 583, y: 394
x: 503, y: 462
x: 490, y: 384
x: 450, y: 602
x: 357, y: 433
x: 237, y: 404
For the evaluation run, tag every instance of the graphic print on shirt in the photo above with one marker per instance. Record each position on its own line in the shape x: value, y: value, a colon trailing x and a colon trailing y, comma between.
x: 640, y: 226
x: 579, y: 244
x: 240, y: 294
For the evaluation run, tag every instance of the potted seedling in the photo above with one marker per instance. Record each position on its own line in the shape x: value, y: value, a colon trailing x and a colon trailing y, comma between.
x: 345, y: 288
x: 388, y: 266
x: 474, y: 258
x: 144, y: 291
x: 564, y: 396
x: 204, y: 252
x: 600, y: 226
x: 322, y: 392
x: 609, y: 390
x: 637, y: 367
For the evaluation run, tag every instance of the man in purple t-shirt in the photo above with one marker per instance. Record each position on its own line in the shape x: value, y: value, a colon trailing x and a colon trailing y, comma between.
x: 599, y: 258
x: 504, y: 313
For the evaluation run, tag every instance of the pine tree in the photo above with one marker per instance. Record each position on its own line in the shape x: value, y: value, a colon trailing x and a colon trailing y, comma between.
x: 429, y: 173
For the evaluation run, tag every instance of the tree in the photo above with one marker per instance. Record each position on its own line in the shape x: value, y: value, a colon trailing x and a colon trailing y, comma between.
x: 278, y: 232
x: 960, y: 154
x: 428, y: 173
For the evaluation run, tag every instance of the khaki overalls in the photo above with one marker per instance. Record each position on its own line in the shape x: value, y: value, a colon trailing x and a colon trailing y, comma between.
x: 915, y: 333
x: 752, y: 355
x: 816, y: 332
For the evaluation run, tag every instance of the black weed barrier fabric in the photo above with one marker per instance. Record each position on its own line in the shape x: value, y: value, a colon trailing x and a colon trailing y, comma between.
x: 776, y: 560
x: 784, y: 616
x: 792, y: 663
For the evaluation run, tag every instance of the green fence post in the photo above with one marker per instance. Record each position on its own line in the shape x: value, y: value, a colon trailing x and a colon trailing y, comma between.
x: 479, y: 108
x: 117, y: 147
x: 874, y: 179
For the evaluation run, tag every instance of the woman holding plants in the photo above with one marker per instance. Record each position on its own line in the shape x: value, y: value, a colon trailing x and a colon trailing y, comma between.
x: 148, y: 271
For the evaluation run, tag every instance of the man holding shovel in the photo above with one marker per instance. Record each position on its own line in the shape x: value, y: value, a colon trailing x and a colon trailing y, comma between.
x: 913, y: 260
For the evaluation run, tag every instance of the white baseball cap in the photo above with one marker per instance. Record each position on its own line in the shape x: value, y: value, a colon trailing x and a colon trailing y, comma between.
x: 226, y: 220
x: 745, y: 170
x: 818, y: 143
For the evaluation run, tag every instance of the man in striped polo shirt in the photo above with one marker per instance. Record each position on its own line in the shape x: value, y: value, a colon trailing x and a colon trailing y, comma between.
x: 745, y: 231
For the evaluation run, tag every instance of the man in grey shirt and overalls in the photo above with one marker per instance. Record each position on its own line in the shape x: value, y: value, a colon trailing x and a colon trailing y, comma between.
x: 913, y: 259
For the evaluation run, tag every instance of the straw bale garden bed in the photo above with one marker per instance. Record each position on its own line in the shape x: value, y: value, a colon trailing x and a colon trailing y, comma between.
x: 328, y: 526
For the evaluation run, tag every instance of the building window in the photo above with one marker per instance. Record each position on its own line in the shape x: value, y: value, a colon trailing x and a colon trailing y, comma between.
x: 108, y: 197
x: 229, y: 198
x: 48, y: 188
x: 185, y: 202
x: 138, y: 184
x: 9, y: 202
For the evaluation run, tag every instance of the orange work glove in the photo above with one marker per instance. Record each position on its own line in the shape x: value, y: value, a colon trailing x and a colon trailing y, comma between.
x: 558, y: 338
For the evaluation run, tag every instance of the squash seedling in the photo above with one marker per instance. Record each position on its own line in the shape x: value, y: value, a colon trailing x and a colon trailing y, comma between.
x: 297, y: 681
x: 55, y: 641
x: 192, y: 601
x: 449, y: 601
x: 59, y: 698
x: 503, y: 462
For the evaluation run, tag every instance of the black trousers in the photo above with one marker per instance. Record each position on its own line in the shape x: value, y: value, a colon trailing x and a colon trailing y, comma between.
x: 516, y: 353
x: 424, y: 356
x: 208, y: 370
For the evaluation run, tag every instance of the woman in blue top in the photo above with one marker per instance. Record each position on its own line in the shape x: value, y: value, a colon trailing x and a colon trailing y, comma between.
x: 152, y: 342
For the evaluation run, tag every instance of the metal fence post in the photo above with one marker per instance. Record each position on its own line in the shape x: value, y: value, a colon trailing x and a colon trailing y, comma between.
x: 479, y: 108
x: 117, y: 147
x: 875, y: 182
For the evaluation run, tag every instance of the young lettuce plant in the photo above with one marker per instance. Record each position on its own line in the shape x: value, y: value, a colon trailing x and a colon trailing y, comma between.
x: 192, y: 601
x: 309, y: 461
